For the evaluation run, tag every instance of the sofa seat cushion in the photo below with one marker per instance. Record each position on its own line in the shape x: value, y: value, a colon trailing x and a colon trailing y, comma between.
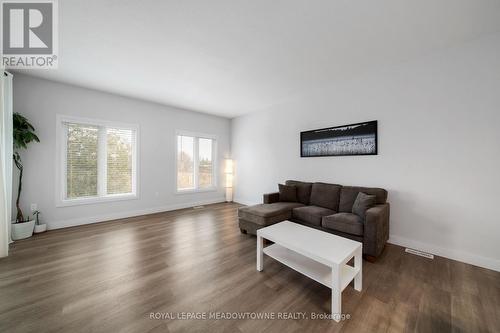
x: 348, y: 223
x: 311, y: 214
x: 267, y: 214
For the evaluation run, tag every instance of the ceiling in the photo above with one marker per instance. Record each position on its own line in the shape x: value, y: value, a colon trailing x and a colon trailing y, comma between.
x: 231, y: 57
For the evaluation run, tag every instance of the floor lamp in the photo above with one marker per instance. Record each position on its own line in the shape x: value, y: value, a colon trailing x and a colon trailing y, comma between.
x: 228, y: 171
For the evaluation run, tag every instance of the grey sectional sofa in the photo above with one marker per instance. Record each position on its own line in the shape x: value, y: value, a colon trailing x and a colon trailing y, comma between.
x: 326, y: 207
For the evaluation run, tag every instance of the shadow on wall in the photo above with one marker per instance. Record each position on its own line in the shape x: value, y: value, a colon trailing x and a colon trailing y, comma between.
x: 420, y: 218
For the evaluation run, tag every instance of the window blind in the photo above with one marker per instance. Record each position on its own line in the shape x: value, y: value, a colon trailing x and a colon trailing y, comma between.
x: 205, y: 165
x: 185, y: 162
x: 81, y: 160
x: 195, y: 163
x: 119, y: 152
x: 100, y: 160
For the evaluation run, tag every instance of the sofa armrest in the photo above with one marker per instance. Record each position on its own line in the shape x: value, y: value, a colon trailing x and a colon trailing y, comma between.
x: 271, y: 197
x: 376, y: 231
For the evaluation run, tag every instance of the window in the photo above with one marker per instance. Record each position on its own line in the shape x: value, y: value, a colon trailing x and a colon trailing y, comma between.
x: 81, y: 160
x: 119, y: 155
x: 98, y: 161
x: 195, y: 162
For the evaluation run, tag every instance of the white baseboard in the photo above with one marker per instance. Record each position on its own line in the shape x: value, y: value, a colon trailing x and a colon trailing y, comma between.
x: 121, y: 215
x: 469, y: 258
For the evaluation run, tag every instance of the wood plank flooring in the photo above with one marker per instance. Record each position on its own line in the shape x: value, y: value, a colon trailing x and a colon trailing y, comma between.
x: 110, y: 277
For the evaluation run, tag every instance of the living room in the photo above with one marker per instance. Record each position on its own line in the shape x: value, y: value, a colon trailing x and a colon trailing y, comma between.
x: 250, y: 166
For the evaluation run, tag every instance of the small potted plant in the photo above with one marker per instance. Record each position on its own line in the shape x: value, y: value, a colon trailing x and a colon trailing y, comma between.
x: 24, y: 133
x: 39, y: 227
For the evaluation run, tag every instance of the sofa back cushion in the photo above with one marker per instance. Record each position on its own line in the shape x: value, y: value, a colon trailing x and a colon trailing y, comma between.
x: 325, y: 195
x: 348, y: 195
x: 288, y: 193
x: 303, y: 190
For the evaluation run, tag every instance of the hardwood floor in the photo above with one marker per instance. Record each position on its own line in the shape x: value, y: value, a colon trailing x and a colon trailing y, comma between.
x: 110, y: 277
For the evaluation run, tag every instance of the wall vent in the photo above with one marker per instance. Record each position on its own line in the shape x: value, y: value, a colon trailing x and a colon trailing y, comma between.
x: 420, y: 253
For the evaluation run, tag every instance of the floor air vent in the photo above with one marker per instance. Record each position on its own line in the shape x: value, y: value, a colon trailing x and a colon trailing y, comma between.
x: 420, y: 253
x: 198, y: 207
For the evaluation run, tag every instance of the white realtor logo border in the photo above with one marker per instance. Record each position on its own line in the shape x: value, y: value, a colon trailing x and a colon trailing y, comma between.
x: 33, y: 61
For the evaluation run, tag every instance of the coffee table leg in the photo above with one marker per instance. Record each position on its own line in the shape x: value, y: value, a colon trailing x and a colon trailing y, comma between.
x: 260, y: 253
x: 358, y: 263
x: 336, y: 293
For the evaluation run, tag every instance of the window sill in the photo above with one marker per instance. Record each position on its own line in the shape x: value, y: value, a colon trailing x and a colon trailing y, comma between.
x: 96, y: 200
x: 192, y: 191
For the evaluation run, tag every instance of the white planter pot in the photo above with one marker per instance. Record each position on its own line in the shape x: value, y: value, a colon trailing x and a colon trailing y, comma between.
x: 22, y: 230
x: 39, y: 228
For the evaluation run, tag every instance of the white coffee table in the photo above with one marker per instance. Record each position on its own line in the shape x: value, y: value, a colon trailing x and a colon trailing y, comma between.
x: 317, y: 254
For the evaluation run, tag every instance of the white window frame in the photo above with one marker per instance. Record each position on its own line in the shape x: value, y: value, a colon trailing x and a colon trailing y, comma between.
x: 61, y: 179
x: 197, y: 136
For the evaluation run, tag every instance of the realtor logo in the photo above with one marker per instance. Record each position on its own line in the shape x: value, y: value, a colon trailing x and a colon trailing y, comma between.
x: 29, y: 33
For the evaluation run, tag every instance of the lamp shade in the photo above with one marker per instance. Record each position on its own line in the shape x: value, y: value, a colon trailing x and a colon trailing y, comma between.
x: 228, y: 168
x: 229, y: 180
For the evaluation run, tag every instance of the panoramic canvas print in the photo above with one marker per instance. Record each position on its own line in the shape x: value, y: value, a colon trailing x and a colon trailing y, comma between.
x: 354, y: 139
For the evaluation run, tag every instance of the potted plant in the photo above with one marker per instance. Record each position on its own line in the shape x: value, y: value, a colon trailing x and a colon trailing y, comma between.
x: 24, y: 133
x: 39, y: 227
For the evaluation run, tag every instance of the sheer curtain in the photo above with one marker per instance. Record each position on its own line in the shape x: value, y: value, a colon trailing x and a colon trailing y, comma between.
x: 5, y: 161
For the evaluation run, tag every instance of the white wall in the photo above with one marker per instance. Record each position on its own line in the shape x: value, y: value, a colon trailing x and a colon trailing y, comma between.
x: 41, y: 100
x: 439, y: 148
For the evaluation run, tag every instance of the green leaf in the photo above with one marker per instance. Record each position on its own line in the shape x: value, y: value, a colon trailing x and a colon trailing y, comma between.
x: 24, y: 132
